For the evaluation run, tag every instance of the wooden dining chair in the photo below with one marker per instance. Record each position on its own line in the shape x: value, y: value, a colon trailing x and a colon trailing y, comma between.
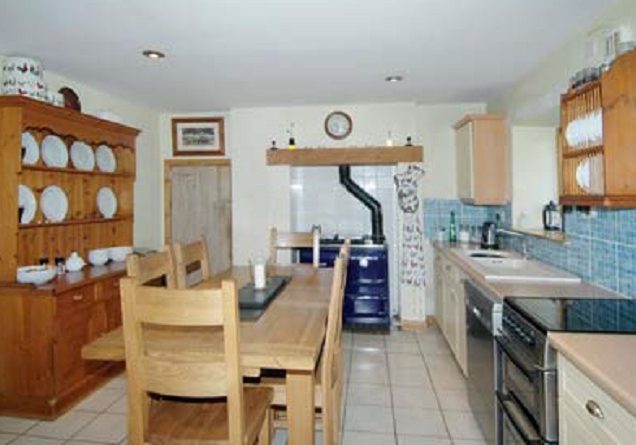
x: 329, y: 372
x: 290, y: 240
x: 199, y: 398
x: 190, y: 257
x: 153, y: 268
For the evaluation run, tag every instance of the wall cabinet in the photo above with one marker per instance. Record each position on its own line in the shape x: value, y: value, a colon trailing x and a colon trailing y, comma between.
x: 588, y: 415
x: 450, y: 306
x: 482, y: 159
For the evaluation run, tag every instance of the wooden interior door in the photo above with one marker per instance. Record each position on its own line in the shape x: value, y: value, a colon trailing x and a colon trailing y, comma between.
x: 199, y: 202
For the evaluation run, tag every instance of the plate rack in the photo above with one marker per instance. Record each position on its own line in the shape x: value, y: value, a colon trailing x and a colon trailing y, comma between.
x: 83, y: 228
x: 582, y: 164
x: 598, y: 139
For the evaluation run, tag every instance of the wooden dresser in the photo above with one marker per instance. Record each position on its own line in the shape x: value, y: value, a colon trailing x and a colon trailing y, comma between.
x: 42, y: 329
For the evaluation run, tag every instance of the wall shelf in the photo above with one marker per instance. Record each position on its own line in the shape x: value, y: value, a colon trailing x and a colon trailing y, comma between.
x: 76, y: 222
x: 73, y: 171
x: 345, y: 156
x: 557, y: 236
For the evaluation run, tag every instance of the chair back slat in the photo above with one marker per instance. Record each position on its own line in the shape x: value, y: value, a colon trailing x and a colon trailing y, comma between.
x: 187, y: 379
x: 290, y: 240
x: 179, y: 307
x: 189, y: 255
x: 151, y: 267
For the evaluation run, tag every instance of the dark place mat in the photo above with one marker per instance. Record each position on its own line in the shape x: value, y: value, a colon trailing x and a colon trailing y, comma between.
x: 253, y: 301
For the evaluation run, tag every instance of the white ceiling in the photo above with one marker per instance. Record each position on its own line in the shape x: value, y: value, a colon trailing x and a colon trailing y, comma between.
x: 229, y: 53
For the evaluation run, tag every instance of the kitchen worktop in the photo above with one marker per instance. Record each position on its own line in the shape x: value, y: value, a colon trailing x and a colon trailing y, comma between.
x: 521, y: 289
x: 606, y: 359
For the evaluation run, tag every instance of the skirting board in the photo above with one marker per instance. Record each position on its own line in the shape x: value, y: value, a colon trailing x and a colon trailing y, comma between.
x: 417, y: 326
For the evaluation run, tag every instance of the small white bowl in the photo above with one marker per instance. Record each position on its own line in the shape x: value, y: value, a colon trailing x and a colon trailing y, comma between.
x: 35, y: 274
x: 120, y: 253
x: 98, y: 257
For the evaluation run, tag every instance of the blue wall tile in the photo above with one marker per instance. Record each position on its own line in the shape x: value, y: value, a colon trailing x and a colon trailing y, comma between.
x: 626, y: 257
x: 601, y: 246
x: 579, y: 256
x: 603, y: 259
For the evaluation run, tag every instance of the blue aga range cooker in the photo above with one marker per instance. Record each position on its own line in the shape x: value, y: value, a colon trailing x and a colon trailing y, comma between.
x: 366, y: 300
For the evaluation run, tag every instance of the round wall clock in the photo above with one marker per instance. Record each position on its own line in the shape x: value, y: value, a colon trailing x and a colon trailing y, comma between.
x: 338, y: 125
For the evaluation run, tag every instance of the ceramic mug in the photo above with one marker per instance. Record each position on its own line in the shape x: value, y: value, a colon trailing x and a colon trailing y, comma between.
x: 55, y: 98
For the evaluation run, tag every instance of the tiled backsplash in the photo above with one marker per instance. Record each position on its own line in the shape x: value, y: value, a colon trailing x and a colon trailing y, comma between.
x: 600, y: 247
x: 437, y: 214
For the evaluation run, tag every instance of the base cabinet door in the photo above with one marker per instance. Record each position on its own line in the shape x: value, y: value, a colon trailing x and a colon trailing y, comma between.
x: 574, y: 431
x: 450, y: 307
x: 460, y: 313
x: 587, y: 414
x: 439, y: 290
x: 73, y: 332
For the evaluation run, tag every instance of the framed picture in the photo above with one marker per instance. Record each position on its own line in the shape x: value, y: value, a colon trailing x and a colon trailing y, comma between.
x: 198, y: 136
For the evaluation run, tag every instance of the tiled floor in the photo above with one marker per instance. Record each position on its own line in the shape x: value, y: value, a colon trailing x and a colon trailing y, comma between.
x: 401, y: 389
x: 405, y: 388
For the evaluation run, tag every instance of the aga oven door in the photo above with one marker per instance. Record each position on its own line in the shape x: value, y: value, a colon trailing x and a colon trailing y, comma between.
x: 530, y: 387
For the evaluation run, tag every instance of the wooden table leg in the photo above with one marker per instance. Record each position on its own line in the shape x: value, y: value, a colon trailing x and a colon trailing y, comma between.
x: 300, y: 407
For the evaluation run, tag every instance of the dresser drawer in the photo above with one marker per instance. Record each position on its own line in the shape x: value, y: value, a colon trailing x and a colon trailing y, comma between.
x: 107, y: 289
x: 601, y: 415
x: 80, y: 297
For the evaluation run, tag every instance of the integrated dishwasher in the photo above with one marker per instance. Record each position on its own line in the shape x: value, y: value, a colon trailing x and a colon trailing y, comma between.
x: 483, y: 322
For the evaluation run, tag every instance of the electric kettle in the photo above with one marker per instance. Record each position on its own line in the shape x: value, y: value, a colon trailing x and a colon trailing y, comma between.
x: 489, y: 236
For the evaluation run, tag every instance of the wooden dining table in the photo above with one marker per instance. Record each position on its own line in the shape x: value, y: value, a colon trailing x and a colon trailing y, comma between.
x: 288, y: 336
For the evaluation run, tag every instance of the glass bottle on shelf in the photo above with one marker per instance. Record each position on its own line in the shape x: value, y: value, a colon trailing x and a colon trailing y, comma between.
x: 452, y: 229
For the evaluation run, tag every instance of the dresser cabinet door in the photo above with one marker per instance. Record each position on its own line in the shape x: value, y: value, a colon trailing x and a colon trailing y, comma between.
x: 72, y: 333
x: 107, y: 314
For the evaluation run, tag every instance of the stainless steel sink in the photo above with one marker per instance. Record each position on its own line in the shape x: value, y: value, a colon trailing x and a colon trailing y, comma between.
x: 486, y: 254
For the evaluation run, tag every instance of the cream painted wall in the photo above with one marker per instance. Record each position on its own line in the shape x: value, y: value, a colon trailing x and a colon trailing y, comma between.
x: 534, y: 183
x: 534, y: 100
x: 261, y: 193
x: 148, y: 184
x: 436, y: 134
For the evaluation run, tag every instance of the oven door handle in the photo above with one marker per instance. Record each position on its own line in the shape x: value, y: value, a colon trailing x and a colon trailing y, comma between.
x: 544, y: 370
x: 528, y: 373
x: 501, y: 401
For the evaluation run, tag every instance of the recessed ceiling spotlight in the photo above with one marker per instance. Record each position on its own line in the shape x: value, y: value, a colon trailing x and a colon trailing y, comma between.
x: 152, y: 54
x: 394, y: 78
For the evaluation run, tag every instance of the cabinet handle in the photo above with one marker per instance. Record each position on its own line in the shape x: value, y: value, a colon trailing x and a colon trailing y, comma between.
x: 594, y: 409
x: 78, y: 297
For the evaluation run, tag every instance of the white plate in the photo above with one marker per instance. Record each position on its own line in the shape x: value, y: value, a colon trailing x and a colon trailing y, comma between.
x: 82, y: 156
x: 106, y: 202
x: 106, y: 161
x: 26, y: 199
x: 54, y: 203
x: 583, y: 175
x: 54, y: 151
x: 32, y: 151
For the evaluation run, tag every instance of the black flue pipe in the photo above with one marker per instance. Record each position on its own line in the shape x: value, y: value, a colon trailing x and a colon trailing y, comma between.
x: 377, y: 233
